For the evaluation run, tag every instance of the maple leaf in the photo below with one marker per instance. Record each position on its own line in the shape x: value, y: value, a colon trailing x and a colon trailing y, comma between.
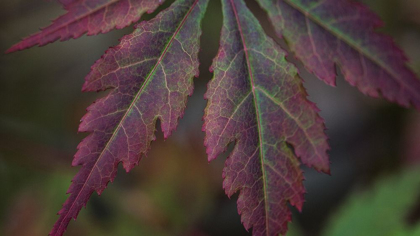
x: 257, y: 100
x: 325, y: 33
x: 150, y: 74
x: 91, y: 16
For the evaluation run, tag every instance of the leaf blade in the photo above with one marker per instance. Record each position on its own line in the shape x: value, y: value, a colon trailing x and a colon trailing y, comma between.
x: 88, y: 16
x: 148, y: 86
x: 328, y: 33
x: 250, y: 76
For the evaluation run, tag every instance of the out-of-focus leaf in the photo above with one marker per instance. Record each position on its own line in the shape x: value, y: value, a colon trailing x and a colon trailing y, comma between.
x: 382, y: 211
x: 325, y: 33
x: 91, y: 16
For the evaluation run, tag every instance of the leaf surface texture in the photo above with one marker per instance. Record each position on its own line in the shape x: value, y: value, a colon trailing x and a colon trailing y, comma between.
x: 150, y: 76
x: 257, y: 100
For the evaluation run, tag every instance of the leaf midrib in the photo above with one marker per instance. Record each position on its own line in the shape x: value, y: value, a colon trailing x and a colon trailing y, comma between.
x: 251, y: 77
x: 130, y: 107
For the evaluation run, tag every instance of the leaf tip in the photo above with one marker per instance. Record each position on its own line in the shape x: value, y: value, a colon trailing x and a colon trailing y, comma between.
x: 14, y: 48
x: 10, y: 50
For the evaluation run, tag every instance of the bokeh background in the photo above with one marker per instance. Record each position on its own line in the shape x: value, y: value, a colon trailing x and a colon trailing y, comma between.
x: 374, y: 188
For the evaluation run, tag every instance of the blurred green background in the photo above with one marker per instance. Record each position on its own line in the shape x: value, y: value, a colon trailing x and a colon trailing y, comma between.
x: 374, y: 188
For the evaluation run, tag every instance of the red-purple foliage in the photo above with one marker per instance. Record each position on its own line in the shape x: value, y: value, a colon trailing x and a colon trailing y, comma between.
x: 255, y: 100
x: 341, y: 32
x: 91, y: 17
x: 150, y: 74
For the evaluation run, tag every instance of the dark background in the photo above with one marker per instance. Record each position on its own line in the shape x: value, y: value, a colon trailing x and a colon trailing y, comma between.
x: 175, y: 191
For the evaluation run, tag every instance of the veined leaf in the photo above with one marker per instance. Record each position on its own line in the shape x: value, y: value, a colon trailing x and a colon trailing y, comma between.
x: 257, y: 101
x: 325, y: 33
x: 150, y: 74
x: 91, y: 16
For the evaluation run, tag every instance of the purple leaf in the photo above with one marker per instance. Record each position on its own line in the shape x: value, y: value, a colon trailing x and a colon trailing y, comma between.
x: 150, y: 74
x: 325, y: 33
x: 91, y: 16
x: 257, y: 100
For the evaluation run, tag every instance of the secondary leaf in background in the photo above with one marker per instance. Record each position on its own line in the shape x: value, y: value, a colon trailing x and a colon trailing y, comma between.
x: 257, y: 101
x: 382, y: 211
x: 91, y: 16
x: 150, y: 74
x: 325, y: 33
